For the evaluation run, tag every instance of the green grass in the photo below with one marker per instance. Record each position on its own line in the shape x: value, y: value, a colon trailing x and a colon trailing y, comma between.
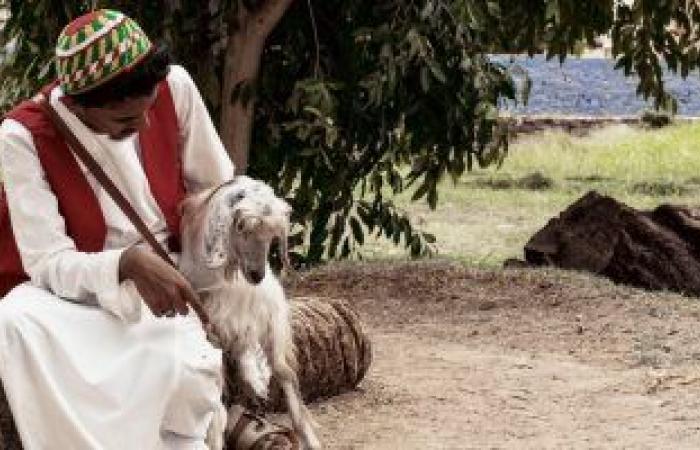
x: 489, y: 215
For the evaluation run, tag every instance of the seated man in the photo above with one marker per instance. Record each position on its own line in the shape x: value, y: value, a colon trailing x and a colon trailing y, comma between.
x: 99, y: 348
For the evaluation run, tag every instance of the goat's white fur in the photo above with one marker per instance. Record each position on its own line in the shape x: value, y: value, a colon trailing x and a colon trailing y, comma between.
x: 226, y: 235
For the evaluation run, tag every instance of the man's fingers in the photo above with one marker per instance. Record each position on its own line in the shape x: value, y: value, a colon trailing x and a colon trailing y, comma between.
x: 179, y: 306
x: 165, y: 290
x: 158, y: 305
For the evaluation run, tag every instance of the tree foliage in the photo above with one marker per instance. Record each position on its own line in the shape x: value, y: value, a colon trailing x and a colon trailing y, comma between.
x: 356, y: 100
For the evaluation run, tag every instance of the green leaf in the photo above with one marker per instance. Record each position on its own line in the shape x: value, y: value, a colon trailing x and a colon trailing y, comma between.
x: 494, y: 8
x: 432, y: 197
x: 357, y: 232
x: 421, y: 191
x: 438, y: 73
x: 347, y: 249
x: 424, y: 79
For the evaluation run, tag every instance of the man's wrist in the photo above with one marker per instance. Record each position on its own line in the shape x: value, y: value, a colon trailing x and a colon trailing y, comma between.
x: 126, y: 263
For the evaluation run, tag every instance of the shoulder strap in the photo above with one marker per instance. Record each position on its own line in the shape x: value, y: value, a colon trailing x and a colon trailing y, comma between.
x: 113, y: 191
x: 81, y: 152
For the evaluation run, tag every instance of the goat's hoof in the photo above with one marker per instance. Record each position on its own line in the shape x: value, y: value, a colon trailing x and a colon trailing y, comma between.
x: 245, y: 427
x: 258, y: 390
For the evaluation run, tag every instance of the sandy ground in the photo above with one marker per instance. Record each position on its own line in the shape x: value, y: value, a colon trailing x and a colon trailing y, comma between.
x: 512, y: 359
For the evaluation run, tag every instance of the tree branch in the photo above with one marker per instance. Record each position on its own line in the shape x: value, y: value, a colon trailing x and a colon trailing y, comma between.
x: 317, y: 64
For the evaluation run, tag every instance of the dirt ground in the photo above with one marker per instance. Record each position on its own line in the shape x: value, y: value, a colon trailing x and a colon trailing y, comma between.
x: 467, y: 358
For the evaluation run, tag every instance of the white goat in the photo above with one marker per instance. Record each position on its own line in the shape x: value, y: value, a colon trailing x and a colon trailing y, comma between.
x: 226, y: 237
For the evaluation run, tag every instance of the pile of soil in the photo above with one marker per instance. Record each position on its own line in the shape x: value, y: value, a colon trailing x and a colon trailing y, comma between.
x: 657, y: 249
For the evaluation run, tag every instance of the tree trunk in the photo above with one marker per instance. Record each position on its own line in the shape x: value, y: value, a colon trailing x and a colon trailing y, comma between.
x: 333, y: 352
x: 248, y: 30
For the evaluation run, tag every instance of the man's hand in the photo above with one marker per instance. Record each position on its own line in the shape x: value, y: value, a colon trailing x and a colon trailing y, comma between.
x: 162, y: 287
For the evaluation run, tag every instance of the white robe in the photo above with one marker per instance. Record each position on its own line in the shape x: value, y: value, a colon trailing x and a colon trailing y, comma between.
x: 84, y: 363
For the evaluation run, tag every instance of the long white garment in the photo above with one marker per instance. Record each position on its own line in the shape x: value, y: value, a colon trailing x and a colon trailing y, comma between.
x: 107, y: 376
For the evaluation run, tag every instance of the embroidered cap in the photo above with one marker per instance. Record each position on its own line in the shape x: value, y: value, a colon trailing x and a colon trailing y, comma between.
x: 96, y: 47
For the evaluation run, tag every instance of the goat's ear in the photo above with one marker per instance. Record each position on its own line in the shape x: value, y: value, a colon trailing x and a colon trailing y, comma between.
x: 219, y: 220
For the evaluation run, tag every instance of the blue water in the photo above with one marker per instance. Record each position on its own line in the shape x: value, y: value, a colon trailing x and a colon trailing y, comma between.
x: 592, y: 87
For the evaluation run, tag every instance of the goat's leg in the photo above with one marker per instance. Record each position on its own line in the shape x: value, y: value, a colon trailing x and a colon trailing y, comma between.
x: 217, y: 428
x: 254, y: 369
x: 302, y: 421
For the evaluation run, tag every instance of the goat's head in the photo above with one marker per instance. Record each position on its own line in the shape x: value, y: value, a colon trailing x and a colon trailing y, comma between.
x: 241, y: 219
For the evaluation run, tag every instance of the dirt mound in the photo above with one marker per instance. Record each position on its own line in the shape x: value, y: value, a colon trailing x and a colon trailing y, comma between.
x: 657, y: 249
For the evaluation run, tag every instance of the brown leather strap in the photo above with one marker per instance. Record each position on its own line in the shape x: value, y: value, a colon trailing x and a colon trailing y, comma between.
x: 113, y: 191
x: 81, y: 152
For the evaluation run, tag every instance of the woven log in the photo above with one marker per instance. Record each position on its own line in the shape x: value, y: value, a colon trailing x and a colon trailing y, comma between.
x: 333, y: 354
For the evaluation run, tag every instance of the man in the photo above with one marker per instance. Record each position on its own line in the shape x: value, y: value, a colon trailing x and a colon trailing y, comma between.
x: 100, y: 348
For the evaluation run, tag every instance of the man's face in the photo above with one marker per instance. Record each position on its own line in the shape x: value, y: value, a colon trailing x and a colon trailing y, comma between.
x: 118, y: 120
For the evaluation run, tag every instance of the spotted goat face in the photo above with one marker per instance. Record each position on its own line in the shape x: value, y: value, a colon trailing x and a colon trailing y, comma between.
x: 243, y: 219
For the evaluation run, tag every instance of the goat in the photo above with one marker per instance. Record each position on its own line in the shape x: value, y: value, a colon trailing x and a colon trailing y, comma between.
x: 226, y: 237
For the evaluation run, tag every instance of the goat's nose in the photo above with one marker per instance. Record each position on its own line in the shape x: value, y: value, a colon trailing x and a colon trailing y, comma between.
x: 256, y: 276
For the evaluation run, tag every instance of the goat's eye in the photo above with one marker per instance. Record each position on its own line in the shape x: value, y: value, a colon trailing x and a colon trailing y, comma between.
x: 235, y: 198
x: 240, y: 226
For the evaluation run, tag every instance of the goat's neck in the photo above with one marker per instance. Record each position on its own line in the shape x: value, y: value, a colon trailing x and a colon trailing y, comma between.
x: 201, y: 277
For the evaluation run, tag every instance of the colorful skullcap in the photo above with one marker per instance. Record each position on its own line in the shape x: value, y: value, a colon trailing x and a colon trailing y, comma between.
x: 96, y: 47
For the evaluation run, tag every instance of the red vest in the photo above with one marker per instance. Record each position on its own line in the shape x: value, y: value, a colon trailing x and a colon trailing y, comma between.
x: 85, y: 223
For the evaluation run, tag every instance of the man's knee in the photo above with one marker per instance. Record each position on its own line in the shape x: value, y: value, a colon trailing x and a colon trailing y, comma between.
x: 19, y: 309
x: 198, y: 394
